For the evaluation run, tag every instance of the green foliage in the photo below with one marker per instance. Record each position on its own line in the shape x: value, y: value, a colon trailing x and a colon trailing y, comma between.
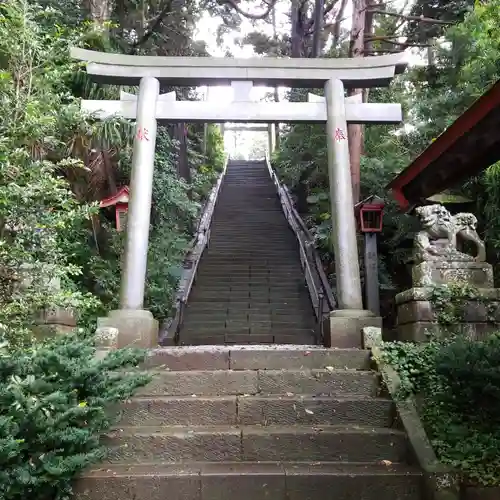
x: 449, y: 301
x: 39, y: 213
x: 173, y: 213
x: 466, y: 64
x: 56, y: 248
x: 215, y: 147
x: 457, y: 382
x: 53, y: 401
x: 176, y: 205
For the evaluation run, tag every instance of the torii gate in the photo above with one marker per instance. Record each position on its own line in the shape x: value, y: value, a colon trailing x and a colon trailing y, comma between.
x: 242, y: 91
x: 137, y: 325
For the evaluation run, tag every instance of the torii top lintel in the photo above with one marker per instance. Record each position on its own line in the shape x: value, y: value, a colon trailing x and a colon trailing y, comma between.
x: 360, y: 72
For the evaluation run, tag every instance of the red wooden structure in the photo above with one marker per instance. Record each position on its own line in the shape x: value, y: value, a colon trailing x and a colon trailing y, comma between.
x: 470, y: 145
x: 120, y: 201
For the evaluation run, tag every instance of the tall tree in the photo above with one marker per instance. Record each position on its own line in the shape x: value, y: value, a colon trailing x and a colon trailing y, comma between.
x: 355, y: 131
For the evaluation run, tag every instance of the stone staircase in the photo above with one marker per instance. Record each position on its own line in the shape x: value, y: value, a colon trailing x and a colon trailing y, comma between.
x: 256, y: 423
x: 250, y: 287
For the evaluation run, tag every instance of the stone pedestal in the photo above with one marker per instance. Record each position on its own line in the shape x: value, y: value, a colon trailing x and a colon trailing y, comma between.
x: 343, y: 328
x: 419, y: 319
x: 136, y: 328
x: 443, y: 272
x: 57, y: 321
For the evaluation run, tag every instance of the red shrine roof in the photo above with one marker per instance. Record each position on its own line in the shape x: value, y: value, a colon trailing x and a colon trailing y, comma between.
x: 468, y: 146
x: 121, y: 196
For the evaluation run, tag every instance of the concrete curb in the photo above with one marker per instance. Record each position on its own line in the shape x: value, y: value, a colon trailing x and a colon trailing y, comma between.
x: 441, y: 481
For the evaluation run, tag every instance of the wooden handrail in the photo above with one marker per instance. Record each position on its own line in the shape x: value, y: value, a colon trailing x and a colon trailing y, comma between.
x: 317, y: 282
x: 200, y: 241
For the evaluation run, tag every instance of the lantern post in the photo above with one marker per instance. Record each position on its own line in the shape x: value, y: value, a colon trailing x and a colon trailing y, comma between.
x: 370, y: 216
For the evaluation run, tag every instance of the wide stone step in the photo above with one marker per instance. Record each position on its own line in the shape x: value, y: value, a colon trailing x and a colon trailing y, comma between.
x: 225, y: 266
x: 301, y: 337
x: 254, y: 444
x: 261, y: 410
x: 297, y: 285
x: 255, y: 358
x: 251, y: 481
x: 228, y: 318
x: 279, y: 299
x: 242, y: 286
x: 240, y: 325
x: 244, y: 310
x: 257, y: 292
x: 238, y: 271
x: 252, y: 382
x: 243, y: 329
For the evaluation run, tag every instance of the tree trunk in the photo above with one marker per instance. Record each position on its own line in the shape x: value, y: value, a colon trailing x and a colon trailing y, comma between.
x: 296, y: 34
x: 182, y: 159
x: 368, y: 45
x: 338, y: 23
x: 99, y: 10
x: 355, y: 131
x: 318, y: 28
x: 276, y: 93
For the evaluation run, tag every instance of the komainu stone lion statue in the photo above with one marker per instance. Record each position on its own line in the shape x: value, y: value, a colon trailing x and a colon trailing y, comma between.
x: 438, y: 238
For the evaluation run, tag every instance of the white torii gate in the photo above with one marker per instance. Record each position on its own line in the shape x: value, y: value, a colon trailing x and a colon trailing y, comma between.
x: 149, y: 107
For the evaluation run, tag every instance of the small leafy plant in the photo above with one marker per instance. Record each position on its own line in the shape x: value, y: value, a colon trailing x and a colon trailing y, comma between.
x: 457, y: 382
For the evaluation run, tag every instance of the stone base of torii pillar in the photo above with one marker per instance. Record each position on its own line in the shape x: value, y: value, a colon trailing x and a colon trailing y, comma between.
x: 127, y: 328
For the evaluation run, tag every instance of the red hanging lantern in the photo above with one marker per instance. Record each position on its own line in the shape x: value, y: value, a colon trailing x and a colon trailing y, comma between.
x: 370, y: 213
x: 120, y: 202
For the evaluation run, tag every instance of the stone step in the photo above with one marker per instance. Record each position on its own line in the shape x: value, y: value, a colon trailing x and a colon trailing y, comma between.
x: 250, y: 255
x: 251, y: 481
x: 257, y: 410
x: 249, y: 280
x: 240, y: 331
x: 188, y: 338
x: 253, y: 263
x: 293, y: 300
x: 250, y: 293
x: 251, y: 247
x: 255, y: 444
x: 246, y: 308
x: 248, y: 273
x: 230, y: 270
x: 228, y: 318
x: 241, y: 325
x: 255, y: 358
x: 270, y: 287
x: 252, y: 382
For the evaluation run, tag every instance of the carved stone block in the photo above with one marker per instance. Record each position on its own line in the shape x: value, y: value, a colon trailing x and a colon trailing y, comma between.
x: 418, y: 319
x: 441, y: 272
x: 58, y: 316
x: 422, y: 331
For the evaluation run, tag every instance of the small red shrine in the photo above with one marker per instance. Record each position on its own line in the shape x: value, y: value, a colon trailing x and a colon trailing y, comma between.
x: 120, y: 201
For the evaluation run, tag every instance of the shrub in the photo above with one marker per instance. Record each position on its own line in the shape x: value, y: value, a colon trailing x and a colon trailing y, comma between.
x: 458, y: 384
x: 52, y: 412
x: 470, y: 371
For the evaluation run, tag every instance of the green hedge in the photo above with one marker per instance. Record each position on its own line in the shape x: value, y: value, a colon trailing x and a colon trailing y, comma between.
x: 52, y: 413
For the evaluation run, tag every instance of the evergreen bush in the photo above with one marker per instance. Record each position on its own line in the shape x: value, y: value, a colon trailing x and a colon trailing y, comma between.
x: 54, y: 405
x: 470, y: 371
